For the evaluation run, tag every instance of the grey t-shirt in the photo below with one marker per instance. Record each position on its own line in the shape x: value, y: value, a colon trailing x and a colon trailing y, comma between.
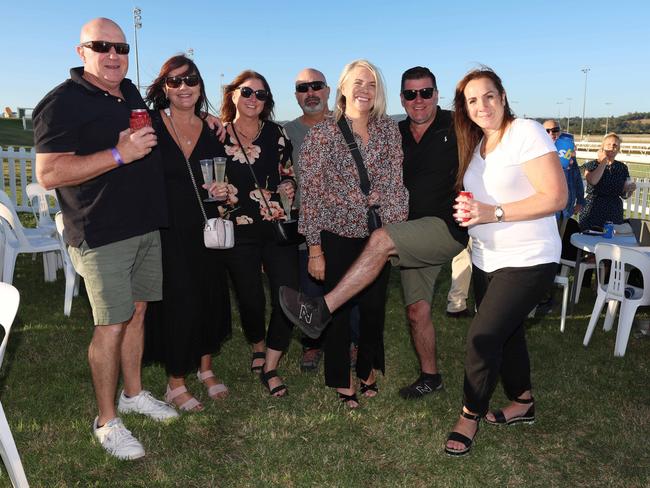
x: 296, y: 131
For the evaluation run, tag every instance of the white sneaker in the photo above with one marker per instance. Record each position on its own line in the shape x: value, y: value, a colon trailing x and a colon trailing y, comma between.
x: 145, y: 403
x: 118, y: 440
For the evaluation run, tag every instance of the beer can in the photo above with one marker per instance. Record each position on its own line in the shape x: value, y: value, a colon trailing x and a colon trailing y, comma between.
x: 467, y: 194
x: 139, y: 119
x: 608, y: 229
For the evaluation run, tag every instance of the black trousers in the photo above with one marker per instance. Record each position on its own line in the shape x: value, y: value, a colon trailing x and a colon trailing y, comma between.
x: 340, y: 253
x: 496, y: 341
x: 244, y: 263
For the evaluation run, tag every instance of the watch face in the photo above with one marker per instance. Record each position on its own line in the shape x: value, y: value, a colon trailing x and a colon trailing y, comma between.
x: 498, y: 213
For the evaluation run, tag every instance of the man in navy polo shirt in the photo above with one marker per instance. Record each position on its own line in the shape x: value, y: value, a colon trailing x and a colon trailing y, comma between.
x: 110, y: 187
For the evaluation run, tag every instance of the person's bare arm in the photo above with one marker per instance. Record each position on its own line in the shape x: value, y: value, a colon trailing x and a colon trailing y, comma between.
x: 54, y: 170
x: 594, y: 176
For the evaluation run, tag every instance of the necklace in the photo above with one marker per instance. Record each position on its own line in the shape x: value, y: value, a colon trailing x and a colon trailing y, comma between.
x: 260, y: 124
x: 179, y: 135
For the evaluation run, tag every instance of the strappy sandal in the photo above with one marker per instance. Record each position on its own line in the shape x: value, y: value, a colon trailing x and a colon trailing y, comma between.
x: 349, y: 398
x: 258, y: 355
x: 463, y: 439
x: 367, y: 387
x: 265, y: 377
x: 215, y: 392
x: 191, y: 405
x: 526, y: 418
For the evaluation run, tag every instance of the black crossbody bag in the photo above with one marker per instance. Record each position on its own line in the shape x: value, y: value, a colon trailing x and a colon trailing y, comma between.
x: 374, y: 219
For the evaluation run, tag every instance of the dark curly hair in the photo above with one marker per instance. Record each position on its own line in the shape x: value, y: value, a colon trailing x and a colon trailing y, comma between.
x: 156, y: 96
x: 228, y: 109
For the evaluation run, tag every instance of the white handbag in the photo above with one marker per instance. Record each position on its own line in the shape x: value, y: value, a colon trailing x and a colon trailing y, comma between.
x: 219, y: 233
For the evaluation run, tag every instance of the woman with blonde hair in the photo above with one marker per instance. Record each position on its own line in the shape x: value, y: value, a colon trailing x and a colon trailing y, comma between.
x: 338, y: 201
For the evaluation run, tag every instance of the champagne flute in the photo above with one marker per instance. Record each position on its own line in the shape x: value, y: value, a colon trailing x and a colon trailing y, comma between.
x: 220, y: 171
x: 207, y: 169
x: 627, y: 190
x: 286, y: 202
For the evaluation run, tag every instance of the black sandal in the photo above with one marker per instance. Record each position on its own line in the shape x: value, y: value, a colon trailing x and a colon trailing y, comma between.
x: 349, y: 398
x: 258, y: 355
x: 526, y: 418
x: 463, y: 439
x: 365, y: 387
x: 265, y: 377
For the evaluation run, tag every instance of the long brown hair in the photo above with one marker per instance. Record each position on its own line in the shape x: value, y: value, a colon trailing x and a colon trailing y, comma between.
x: 156, y: 95
x: 468, y: 134
x: 228, y: 109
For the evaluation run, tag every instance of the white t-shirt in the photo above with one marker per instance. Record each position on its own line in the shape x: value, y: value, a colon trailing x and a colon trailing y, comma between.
x: 500, y: 179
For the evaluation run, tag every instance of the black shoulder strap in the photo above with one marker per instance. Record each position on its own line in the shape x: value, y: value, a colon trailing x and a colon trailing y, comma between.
x: 364, y: 182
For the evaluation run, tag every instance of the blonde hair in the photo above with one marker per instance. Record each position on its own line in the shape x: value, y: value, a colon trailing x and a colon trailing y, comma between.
x: 614, y: 135
x: 378, y: 110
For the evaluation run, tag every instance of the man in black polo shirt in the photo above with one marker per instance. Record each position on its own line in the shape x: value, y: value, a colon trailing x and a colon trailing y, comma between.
x: 421, y: 245
x: 110, y: 186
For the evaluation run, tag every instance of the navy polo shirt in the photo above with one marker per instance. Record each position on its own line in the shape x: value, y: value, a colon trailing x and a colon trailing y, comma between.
x: 124, y: 202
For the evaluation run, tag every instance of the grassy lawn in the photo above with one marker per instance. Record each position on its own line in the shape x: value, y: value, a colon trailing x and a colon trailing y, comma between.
x: 12, y: 132
x: 592, y: 429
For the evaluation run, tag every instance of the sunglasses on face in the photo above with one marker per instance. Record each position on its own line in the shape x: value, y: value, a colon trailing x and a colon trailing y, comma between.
x: 176, y: 81
x: 411, y: 95
x: 105, y: 46
x: 314, y: 85
x: 553, y: 130
x: 247, y: 91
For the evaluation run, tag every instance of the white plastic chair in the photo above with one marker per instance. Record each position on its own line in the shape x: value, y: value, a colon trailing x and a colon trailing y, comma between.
x: 9, y: 299
x: 39, y: 199
x: 584, y: 266
x: 20, y: 240
x: 613, y: 292
x: 71, y: 276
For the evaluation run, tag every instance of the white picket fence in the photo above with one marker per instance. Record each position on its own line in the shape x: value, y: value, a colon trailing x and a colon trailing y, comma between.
x: 18, y: 171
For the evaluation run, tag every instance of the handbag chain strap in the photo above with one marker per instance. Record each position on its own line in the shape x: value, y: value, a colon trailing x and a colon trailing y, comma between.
x: 364, y: 181
x: 250, y: 167
x: 189, y: 168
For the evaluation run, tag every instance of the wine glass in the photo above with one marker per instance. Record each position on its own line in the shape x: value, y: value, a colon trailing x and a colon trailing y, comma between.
x: 220, y: 171
x: 207, y: 169
x: 286, y: 202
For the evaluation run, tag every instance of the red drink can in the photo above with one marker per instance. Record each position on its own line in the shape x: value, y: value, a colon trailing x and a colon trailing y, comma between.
x: 467, y: 194
x: 139, y: 119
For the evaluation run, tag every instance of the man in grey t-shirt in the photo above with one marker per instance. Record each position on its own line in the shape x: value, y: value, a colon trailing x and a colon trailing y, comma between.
x: 312, y: 94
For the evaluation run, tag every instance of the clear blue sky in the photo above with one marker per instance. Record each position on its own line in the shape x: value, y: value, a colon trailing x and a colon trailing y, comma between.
x: 537, y: 47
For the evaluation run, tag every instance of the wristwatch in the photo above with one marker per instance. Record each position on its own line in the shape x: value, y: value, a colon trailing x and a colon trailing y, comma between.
x: 498, y: 213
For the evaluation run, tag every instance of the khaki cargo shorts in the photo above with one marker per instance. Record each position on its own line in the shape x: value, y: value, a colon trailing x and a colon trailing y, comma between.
x: 119, y: 274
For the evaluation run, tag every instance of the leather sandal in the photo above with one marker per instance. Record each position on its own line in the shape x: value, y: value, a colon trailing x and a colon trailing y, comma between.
x: 344, y: 398
x: 258, y: 355
x: 191, y: 405
x: 266, y: 376
x: 215, y: 391
x: 366, y: 387
x: 463, y: 439
x: 526, y: 418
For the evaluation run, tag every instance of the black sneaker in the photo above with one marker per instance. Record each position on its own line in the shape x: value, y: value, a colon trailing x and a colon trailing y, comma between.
x: 310, y: 314
x: 425, y: 384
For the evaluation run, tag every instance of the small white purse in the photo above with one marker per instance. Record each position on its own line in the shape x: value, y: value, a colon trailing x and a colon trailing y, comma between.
x: 218, y: 233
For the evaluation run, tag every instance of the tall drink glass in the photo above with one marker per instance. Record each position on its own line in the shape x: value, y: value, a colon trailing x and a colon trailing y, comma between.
x: 220, y: 171
x: 207, y: 169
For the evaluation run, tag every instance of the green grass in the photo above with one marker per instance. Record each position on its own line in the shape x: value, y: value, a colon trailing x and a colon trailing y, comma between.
x: 12, y: 133
x: 592, y: 429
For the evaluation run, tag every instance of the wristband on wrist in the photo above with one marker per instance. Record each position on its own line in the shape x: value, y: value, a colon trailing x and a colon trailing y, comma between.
x: 314, y: 256
x: 117, y: 156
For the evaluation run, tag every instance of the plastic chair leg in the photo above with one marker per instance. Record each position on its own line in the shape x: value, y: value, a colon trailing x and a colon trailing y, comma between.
x: 10, y: 454
x: 565, y: 302
x: 625, y: 319
x: 595, y: 314
x: 581, y: 275
x: 612, y: 306
x: 71, y: 283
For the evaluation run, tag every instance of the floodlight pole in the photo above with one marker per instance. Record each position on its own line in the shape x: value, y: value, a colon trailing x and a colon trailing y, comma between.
x: 568, y: 116
x: 607, y: 119
x: 585, y: 70
x: 137, y: 24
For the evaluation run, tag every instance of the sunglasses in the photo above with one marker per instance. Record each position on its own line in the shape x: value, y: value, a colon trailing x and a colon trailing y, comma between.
x: 314, y: 85
x: 411, y: 95
x: 247, y: 91
x: 176, y: 81
x: 553, y: 130
x: 105, y: 46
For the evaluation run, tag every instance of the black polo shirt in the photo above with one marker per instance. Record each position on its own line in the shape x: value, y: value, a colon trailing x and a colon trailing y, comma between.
x: 124, y: 202
x: 430, y: 169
